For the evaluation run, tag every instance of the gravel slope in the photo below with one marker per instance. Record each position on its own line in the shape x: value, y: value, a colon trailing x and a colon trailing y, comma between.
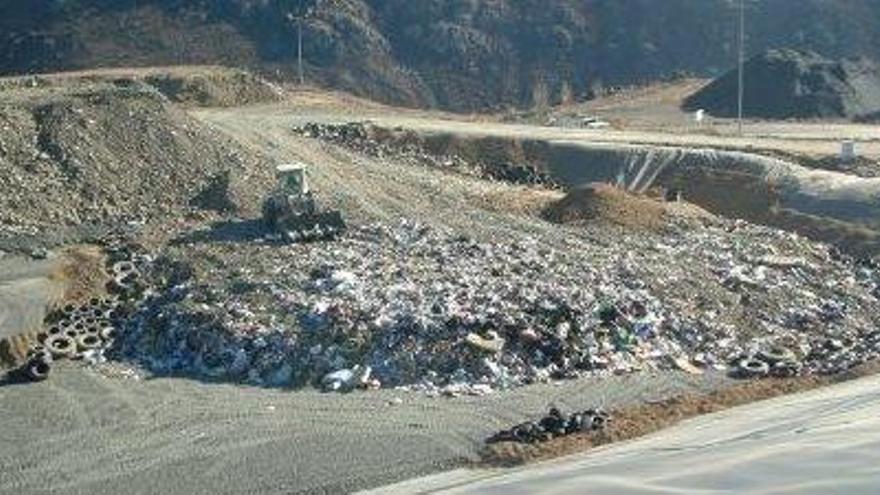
x: 823, y: 441
x: 83, y: 432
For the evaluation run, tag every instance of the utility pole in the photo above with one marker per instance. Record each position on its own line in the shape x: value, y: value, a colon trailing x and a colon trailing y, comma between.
x: 299, y: 50
x: 741, y: 64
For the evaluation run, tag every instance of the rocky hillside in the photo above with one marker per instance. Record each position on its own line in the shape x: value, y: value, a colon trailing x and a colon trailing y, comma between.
x: 791, y: 84
x: 462, y: 55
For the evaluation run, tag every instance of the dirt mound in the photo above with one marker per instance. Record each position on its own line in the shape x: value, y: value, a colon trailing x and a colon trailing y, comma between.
x: 109, y: 153
x: 215, y: 87
x: 784, y: 84
x: 207, y: 86
x: 606, y: 203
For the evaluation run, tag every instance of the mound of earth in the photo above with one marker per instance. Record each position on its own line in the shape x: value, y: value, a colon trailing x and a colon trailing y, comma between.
x: 107, y: 153
x: 610, y: 204
x: 208, y: 86
x: 785, y: 84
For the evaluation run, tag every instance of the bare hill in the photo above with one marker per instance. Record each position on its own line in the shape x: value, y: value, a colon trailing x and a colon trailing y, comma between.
x: 463, y: 55
x: 97, y: 153
x: 785, y: 84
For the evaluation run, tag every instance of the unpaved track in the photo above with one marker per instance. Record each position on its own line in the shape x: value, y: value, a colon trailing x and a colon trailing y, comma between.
x: 82, y: 432
x: 818, y: 442
x: 805, y: 139
x: 27, y: 289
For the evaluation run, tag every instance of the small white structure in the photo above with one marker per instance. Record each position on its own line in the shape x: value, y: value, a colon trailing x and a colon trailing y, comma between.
x: 847, y: 151
x: 699, y: 116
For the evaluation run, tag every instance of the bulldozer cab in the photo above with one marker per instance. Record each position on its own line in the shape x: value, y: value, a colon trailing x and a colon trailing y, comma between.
x: 292, y: 179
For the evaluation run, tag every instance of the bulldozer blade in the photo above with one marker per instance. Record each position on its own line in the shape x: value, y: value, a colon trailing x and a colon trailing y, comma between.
x: 319, y: 226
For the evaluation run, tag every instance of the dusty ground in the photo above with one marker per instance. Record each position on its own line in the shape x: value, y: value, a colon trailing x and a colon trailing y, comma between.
x: 816, y: 442
x: 84, y: 432
x: 29, y: 289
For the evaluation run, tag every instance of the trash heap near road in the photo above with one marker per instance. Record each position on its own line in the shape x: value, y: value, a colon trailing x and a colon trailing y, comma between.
x: 419, y: 308
x: 554, y: 425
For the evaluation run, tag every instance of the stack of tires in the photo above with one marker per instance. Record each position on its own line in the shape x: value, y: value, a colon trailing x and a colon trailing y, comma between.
x: 79, y: 329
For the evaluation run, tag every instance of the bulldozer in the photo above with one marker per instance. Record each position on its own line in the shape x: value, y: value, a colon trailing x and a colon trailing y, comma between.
x: 291, y: 212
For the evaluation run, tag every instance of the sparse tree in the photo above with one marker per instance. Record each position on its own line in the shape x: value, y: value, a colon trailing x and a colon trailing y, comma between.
x: 566, y: 95
x: 540, y: 94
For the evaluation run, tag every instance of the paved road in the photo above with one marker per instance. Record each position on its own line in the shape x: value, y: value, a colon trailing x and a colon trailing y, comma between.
x: 823, y: 442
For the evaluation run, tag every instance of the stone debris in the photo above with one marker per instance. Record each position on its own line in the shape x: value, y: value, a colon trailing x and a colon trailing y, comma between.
x: 407, y: 147
x: 73, y: 160
x: 417, y: 308
x: 554, y: 425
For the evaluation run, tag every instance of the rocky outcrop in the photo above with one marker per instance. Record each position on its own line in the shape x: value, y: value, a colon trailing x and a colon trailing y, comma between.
x: 463, y: 55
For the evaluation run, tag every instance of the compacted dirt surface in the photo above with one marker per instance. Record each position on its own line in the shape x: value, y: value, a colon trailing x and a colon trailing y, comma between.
x: 199, y: 391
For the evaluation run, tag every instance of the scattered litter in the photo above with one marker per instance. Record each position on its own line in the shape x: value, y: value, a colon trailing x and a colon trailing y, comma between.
x: 554, y: 425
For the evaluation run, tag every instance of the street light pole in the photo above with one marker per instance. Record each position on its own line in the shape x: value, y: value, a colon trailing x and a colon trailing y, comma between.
x: 741, y: 65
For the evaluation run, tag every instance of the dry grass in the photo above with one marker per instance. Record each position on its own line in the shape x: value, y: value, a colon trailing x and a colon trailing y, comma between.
x: 608, y: 204
x: 82, y: 274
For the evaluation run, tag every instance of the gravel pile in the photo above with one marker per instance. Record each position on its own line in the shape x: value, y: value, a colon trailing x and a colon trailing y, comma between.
x: 427, y: 310
x: 106, y: 154
x: 407, y: 147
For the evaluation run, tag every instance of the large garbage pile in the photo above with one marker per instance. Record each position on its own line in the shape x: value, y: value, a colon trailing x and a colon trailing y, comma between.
x: 408, y: 147
x: 415, y: 307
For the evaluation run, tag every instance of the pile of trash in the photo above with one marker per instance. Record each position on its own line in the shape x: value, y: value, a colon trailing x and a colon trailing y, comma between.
x: 554, y: 425
x: 408, y: 147
x: 427, y: 310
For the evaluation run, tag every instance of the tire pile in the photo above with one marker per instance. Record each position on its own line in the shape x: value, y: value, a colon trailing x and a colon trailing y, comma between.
x: 554, y: 424
x: 85, y: 331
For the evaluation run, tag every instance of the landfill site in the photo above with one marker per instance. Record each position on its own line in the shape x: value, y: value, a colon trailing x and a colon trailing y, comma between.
x: 206, y: 275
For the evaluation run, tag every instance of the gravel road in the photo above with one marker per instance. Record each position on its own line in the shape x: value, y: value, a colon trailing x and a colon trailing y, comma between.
x: 84, y: 432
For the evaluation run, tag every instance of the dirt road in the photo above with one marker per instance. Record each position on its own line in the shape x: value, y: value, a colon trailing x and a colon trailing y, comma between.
x: 82, y: 432
x: 824, y: 441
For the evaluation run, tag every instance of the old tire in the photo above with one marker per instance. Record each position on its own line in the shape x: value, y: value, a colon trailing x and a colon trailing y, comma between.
x: 60, y: 346
x: 108, y: 332
x: 88, y: 342
x: 753, y: 368
x: 37, y: 369
x: 775, y: 355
